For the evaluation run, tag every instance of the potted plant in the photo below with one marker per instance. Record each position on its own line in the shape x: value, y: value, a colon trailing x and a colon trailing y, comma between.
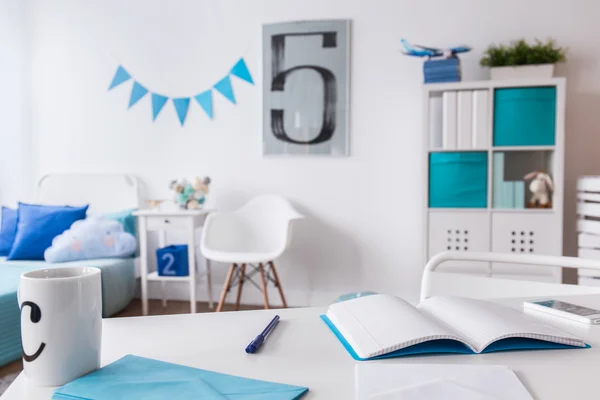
x: 522, y: 60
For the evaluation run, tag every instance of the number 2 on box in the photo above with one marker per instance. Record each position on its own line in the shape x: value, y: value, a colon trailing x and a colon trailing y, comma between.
x: 170, y: 261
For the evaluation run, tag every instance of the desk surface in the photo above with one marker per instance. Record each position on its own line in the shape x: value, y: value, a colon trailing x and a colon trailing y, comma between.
x: 302, y: 351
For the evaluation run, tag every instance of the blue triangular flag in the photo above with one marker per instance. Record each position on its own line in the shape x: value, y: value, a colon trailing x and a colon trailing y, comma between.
x: 224, y: 87
x: 120, y: 76
x: 158, y: 102
x: 241, y: 71
x: 181, y: 106
x: 137, y: 93
x: 206, y: 102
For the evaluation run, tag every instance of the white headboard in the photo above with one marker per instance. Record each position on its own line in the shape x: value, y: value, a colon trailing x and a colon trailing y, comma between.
x: 103, y: 192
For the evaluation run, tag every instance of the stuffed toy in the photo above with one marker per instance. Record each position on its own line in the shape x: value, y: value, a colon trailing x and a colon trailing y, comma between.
x: 541, y: 186
x: 190, y: 196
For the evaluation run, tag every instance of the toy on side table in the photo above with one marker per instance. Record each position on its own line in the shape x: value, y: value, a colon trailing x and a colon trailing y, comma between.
x: 190, y: 196
x: 540, y: 187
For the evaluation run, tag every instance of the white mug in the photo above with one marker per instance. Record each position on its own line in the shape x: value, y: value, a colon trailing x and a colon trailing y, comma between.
x: 61, y: 323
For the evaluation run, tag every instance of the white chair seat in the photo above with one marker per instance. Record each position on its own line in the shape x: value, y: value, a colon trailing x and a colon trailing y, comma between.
x: 248, y: 256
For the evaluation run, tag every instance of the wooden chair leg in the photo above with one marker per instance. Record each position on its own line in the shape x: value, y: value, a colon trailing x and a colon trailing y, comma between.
x: 278, y: 282
x: 226, y: 287
x: 240, y: 286
x: 261, y: 268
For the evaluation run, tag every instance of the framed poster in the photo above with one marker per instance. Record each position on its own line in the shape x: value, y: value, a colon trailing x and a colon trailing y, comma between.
x: 306, y: 88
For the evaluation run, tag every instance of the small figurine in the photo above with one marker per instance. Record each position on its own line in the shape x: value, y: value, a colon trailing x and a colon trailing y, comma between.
x: 188, y: 195
x: 540, y: 187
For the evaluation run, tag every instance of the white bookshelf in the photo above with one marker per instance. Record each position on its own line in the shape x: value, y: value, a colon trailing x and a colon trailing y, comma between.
x: 509, y: 230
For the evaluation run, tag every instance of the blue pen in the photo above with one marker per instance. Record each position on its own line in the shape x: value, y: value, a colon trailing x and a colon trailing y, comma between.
x: 259, y: 340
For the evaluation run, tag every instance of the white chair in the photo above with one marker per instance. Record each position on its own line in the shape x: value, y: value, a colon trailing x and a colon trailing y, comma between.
x: 253, y: 236
x: 482, y: 287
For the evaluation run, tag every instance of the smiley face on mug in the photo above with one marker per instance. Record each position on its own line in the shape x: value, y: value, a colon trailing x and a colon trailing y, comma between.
x: 35, y: 316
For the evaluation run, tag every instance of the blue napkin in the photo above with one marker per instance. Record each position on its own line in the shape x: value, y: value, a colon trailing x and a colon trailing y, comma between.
x: 134, y: 377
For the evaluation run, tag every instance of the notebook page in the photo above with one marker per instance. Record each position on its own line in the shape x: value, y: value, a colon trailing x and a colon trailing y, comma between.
x: 482, y: 323
x: 380, y: 324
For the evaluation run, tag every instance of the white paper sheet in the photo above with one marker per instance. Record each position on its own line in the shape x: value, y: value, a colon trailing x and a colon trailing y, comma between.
x: 432, y: 382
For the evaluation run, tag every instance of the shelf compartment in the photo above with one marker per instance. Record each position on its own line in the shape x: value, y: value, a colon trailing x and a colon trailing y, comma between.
x: 459, y: 120
x: 510, y: 190
x: 458, y: 180
x: 459, y: 231
x: 525, y: 116
x: 516, y: 233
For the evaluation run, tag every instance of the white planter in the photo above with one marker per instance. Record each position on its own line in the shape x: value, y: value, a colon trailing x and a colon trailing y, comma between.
x: 523, y: 72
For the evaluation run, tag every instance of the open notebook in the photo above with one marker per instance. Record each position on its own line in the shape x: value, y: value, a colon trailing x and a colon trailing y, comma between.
x: 383, y: 326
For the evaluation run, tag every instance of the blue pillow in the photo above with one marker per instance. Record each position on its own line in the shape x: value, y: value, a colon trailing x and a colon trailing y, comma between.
x: 125, y: 218
x: 8, y: 230
x: 38, y: 225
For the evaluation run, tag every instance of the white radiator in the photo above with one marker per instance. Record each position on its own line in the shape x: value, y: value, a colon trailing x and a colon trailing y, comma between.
x: 588, y: 224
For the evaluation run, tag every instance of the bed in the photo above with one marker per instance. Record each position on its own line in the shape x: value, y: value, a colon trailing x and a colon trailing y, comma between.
x: 105, y: 194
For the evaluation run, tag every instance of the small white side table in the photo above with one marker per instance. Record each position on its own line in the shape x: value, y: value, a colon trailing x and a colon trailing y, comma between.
x: 161, y: 222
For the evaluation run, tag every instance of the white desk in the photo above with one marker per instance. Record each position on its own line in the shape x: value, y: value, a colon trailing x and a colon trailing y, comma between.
x: 302, y: 351
x: 161, y: 222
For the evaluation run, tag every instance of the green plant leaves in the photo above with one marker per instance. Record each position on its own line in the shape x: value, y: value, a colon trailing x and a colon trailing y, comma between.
x: 521, y: 53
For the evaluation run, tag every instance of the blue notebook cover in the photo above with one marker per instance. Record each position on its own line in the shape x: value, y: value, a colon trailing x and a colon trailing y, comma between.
x: 134, y: 377
x: 452, y: 61
x: 447, y: 346
x: 441, y: 75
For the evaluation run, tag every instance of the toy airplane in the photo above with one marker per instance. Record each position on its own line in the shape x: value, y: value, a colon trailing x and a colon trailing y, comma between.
x: 422, y: 51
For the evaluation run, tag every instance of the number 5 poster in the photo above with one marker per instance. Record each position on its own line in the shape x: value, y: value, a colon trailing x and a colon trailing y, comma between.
x: 306, y: 88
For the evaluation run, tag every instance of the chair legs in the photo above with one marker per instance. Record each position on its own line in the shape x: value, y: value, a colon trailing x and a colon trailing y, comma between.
x: 237, y: 275
x: 240, y: 286
x: 278, y: 283
x: 226, y: 287
x: 261, y: 268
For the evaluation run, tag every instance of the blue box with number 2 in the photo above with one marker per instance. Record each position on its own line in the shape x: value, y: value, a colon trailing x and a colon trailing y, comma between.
x: 173, y: 261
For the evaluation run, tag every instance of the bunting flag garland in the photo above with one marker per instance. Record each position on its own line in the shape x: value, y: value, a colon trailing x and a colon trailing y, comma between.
x: 158, y: 102
x: 205, y: 101
x: 241, y: 71
x: 137, y: 93
x: 120, y: 77
x: 182, y: 104
x: 224, y: 87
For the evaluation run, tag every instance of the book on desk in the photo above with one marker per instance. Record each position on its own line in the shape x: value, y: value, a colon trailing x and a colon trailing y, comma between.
x: 384, y: 326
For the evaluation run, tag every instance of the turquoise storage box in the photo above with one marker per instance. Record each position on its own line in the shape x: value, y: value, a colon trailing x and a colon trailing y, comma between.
x: 525, y: 116
x: 458, y: 180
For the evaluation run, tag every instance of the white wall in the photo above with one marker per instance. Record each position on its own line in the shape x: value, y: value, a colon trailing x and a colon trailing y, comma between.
x: 364, y: 229
x: 14, y: 97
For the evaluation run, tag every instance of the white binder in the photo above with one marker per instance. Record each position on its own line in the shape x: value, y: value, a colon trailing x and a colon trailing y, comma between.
x: 480, y: 114
x: 465, y: 119
x: 449, y: 139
